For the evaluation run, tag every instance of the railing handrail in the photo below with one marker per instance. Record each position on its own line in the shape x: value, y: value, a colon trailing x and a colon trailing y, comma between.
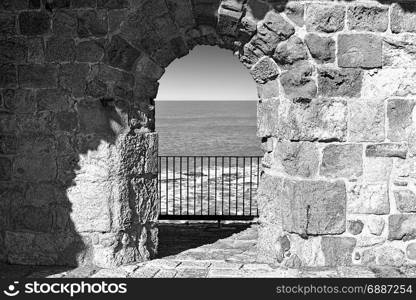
x: 239, y: 156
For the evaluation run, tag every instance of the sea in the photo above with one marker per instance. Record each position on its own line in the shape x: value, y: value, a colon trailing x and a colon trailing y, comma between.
x: 207, y: 128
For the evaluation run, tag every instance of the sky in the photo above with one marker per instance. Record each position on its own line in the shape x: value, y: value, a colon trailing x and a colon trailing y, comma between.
x: 207, y: 73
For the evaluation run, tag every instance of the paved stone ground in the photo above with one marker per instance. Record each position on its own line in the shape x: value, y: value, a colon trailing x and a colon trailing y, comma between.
x: 183, y: 254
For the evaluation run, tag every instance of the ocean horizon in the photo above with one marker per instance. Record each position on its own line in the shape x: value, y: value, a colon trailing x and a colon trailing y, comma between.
x: 208, y: 128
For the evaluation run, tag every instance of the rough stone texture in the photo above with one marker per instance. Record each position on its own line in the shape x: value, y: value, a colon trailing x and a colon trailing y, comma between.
x: 387, y: 150
x: 399, y: 51
x: 338, y: 250
x: 355, y: 227
x: 37, y: 76
x: 325, y: 18
x: 264, y: 70
x: 371, y: 198
x: 405, y: 201
x: 367, y: 121
x: 399, y: 114
x: 313, y: 207
x: 411, y: 251
x: 296, y: 159
x: 402, y: 17
x: 342, y: 161
x: 375, y: 225
x: 321, y: 48
x: 368, y: 18
x: 291, y: 51
x: 402, y: 227
x: 338, y: 83
x: 298, y: 83
x: 34, y: 22
x: 359, y: 51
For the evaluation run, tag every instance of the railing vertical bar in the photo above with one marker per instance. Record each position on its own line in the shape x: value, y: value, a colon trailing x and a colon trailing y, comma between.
x: 236, y: 185
x: 209, y: 162
x: 194, y: 185
x: 202, y: 185
x: 167, y: 185
x: 229, y: 185
x: 244, y: 182
x: 215, y: 204
x: 180, y: 185
x: 222, y: 187
x: 187, y: 185
x: 174, y: 183
x: 258, y: 177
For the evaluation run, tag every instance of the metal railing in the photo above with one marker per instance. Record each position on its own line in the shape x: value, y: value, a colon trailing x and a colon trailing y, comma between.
x: 208, y: 187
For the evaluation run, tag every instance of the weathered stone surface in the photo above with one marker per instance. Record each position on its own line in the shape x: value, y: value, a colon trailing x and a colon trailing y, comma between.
x: 387, y: 150
x: 35, y: 168
x: 313, y: 207
x: 83, y: 3
x: 338, y: 250
x: 37, y: 76
x: 319, y: 120
x: 342, y: 161
x: 264, y: 70
x: 65, y: 23
x: 338, y: 83
x: 359, y: 51
x: 121, y: 54
x: 355, y: 227
x: 325, y: 18
x: 377, y: 169
x: 148, y: 68
x: 390, y: 256
x: 5, y: 168
x: 53, y: 100
x: 399, y: 114
x: 19, y: 101
x: 60, y: 50
x: 92, y: 23
x: 112, y: 4
x: 367, y: 198
x: 72, y: 77
x: 267, y: 117
x: 411, y: 251
x: 298, y: 83
x: 367, y: 120
x: 294, y: 11
x: 402, y: 227
x: 13, y: 50
x: 405, y: 201
x: 8, y: 76
x: 34, y: 22
x: 399, y: 51
x: 402, y: 17
x: 228, y: 21
x: 289, y: 52
x: 269, y: 249
x: 296, y: 159
x: 7, y: 24
x: 90, y: 51
x: 268, y: 90
x: 375, y: 225
x: 36, y: 51
x: 368, y: 18
x: 321, y: 48
x: 8, y: 144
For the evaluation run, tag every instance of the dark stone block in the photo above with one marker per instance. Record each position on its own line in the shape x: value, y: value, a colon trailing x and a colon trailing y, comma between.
x: 84, y: 3
x: 340, y: 82
x: 90, y: 51
x: 64, y: 23
x: 60, y: 50
x: 321, y: 48
x: 34, y: 22
x: 8, y: 144
x: 8, y: 76
x: 55, y: 4
x: 7, y: 24
x: 121, y: 54
x: 5, y: 169
x: 113, y: 4
x: 92, y: 23
x: 37, y: 76
x: 73, y: 77
x: 387, y: 150
x: 342, y: 161
x: 359, y: 51
x: 13, y: 50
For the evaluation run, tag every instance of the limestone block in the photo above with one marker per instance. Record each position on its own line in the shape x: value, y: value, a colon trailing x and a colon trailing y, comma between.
x: 367, y: 121
x: 60, y: 50
x: 34, y: 22
x: 411, y: 251
x: 375, y: 225
x: 264, y: 70
x: 7, y: 24
x: 339, y: 83
x: 64, y: 23
x: 402, y: 227
x: 403, y: 17
x: 399, y: 51
x: 368, y: 18
x: 92, y: 23
x: 400, y: 118
x: 13, y: 50
x: 359, y: 50
x: 19, y: 101
x: 321, y: 48
x: 289, y: 52
x: 367, y: 198
x: 38, y: 76
x: 73, y: 77
x: 387, y: 150
x: 325, y: 18
x: 342, y: 161
x: 405, y: 201
x: 355, y: 227
x: 338, y: 250
x: 267, y: 117
x: 298, y: 83
x: 8, y: 76
x: 90, y: 51
x: 121, y: 54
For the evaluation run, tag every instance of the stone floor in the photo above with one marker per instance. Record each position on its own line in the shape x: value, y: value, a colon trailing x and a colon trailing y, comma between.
x: 204, y: 251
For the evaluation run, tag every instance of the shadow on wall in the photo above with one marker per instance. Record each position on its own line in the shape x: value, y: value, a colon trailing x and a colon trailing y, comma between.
x: 60, y: 165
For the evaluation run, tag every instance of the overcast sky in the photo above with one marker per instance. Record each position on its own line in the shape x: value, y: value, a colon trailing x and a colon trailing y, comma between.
x: 207, y: 73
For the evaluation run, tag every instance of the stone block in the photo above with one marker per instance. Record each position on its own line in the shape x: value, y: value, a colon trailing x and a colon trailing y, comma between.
x: 112, y: 4
x: 390, y: 256
x: 342, y: 161
x: 321, y: 48
x: 264, y: 70
x: 359, y: 51
x: 60, y: 50
x: 313, y: 207
x: 121, y: 54
x: 387, y: 150
x: 90, y: 51
x: 368, y: 18
x: 296, y: 158
x: 5, y: 169
x: 13, y: 50
x: 83, y: 3
x: 182, y: 12
x: 19, y: 101
x: 367, y: 120
x: 298, y: 83
x: 337, y: 250
x: 8, y: 76
x: 402, y: 227
x: 268, y: 90
x: 320, y: 120
x: 7, y: 24
x: 54, y: 100
x: 228, y: 21
x: 8, y: 144
x: 293, y: 10
x: 38, y: 76
x: 148, y: 68
x: 289, y: 52
x: 340, y: 82
x: 375, y: 225
x: 377, y: 169
x: 267, y: 117
x: 36, y: 51
x: 35, y: 169
x: 367, y: 198
x: 402, y: 17
x: 355, y: 227
x: 92, y: 23
x: 405, y: 201
x: 57, y: 4
x: 399, y: 114
x: 72, y: 78
x: 399, y: 51
x: 65, y: 23
x: 34, y: 22
x: 325, y: 18
x: 411, y: 251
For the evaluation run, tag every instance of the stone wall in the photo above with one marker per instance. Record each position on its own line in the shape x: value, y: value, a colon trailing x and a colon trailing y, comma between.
x: 336, y: 82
